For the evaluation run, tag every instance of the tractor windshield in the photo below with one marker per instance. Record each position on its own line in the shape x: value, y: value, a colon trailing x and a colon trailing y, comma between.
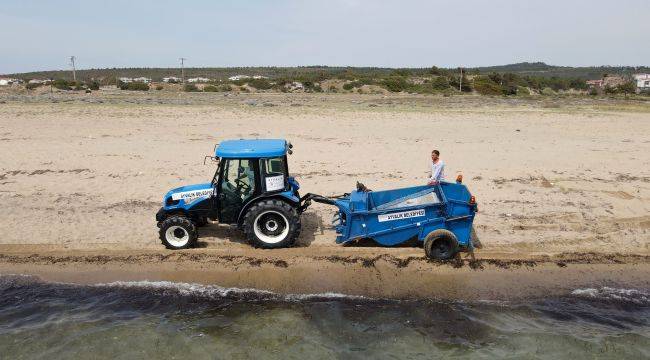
x: 275, y: 173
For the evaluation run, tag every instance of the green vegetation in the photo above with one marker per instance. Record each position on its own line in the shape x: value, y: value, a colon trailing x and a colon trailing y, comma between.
x: 516, y: 79
x: 259, y: 84
x: 190, y: 88
x: 63, y: 84
x: 136, y: 86
x: 485, y: 86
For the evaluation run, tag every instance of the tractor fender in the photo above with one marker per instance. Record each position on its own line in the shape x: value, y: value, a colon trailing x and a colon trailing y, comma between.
x: 286, y: 196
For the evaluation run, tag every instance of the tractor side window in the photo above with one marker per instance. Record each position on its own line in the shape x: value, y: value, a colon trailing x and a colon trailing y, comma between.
x: 274, y: 173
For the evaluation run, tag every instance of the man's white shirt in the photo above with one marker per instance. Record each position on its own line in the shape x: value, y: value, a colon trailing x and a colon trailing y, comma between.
x: 437, y: 171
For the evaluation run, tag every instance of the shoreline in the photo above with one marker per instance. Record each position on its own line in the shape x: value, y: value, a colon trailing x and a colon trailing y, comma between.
x: 384, y: 275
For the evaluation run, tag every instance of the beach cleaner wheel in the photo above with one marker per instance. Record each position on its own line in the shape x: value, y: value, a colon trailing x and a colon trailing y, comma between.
x: 441, y: 244
x: 178, y: 232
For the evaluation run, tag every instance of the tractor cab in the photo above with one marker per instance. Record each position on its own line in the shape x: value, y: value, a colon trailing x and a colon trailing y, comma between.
x: 250, y: 169
x: 251, y: 175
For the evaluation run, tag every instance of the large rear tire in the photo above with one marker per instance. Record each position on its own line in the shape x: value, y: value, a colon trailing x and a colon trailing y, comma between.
x: 272, y: 224
x: 178, y: 232
x: 441, y: 244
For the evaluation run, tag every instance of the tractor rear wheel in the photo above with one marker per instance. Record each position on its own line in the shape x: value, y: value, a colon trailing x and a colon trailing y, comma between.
x: 441, y: 244
x: 178, y: 232
x: 271, y: 224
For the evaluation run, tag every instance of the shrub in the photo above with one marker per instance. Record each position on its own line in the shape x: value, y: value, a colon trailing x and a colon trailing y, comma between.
x: 94, y: 85
x: 210, y: 88
x: 61, y: 84
x: 260, y: 84
x: 348, y: 86
x: 190, y: 88
x: 548, y: 91
x: 522, y: 91
x: 593, y: 91
x: 32, y: 86
x: 135, y: 86
x: 486, y: 86
x: 610, y: 90
x: 395, y: 84
x: 627, y: 88
x: 440, y: 83
x: 159, y: 87
x: 466, y: 86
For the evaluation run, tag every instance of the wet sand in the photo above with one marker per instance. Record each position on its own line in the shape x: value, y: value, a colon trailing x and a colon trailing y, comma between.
x: 391, y: 274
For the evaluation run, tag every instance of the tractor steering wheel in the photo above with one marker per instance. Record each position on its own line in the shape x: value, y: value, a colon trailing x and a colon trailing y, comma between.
x: 242, y: 185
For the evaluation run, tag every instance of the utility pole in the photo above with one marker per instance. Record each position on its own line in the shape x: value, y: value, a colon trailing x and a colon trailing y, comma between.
x: 460, y: 83
x: 74, y: 71
x: 183, y: 70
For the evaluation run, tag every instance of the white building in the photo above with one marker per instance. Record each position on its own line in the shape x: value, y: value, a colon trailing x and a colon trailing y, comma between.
x: 126, y: 79
x: 642, y: 81
x: 244, y: 77
x: 198, y: 80
x: 9, y: 81
x: 238, y: 77
x: 171, y: 79
x: 142, y: 80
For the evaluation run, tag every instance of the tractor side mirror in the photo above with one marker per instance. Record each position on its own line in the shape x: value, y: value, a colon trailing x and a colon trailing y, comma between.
x: 213, y: 159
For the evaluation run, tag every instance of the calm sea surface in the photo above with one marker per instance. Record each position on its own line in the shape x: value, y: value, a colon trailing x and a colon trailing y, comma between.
x: 127, y: 320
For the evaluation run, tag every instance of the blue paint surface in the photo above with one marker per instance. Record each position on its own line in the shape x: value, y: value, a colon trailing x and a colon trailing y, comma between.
x: 248, y: 149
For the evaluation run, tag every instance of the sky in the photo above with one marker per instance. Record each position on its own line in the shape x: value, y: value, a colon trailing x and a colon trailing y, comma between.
x: 43, y: 34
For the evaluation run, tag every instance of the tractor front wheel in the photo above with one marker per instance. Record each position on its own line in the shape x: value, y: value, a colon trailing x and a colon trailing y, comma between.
x: 441, y: 244
x: 271, y: 224
x: 178, y: 232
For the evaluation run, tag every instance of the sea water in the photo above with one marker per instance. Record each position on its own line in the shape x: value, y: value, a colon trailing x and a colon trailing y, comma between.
x: 127, y: 320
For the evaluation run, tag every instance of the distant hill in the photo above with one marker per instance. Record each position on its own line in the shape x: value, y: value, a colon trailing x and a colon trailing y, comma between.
x: 544, y: 70
x: 538, y: 69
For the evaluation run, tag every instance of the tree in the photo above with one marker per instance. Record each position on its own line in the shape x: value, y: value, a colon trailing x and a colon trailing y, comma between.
x: 627, y: 88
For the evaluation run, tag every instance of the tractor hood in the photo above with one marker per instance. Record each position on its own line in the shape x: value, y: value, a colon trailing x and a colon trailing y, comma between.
x: 186, y: 195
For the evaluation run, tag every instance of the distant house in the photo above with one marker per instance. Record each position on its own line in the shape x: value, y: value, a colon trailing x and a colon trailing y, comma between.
x: 142, y: 80
x: 642, y: 81
x: 171, y: 79
x: 38, y: 81
x: 9, y: 81
x: 198, y: 80
x: 239, y: 77
x: 126, y: 80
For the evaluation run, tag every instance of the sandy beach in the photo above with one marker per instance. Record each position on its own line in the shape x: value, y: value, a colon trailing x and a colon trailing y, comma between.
x: 561, y: 183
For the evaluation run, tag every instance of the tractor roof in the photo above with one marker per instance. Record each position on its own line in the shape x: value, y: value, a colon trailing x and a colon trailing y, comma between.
x: 257, y: 148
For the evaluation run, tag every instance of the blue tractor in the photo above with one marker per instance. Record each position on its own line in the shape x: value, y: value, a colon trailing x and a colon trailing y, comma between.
x: 252, y: 190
